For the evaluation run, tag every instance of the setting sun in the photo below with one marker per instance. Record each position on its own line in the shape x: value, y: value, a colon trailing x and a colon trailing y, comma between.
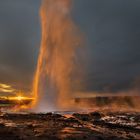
x: 19, y: 98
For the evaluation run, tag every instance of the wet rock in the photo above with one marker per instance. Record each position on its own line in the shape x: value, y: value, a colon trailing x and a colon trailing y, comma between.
x: 94, y: 125
x: 2, y: 125
x: 72, y: 120
x: 129, y: 136
x: 82, y: 117
x: 57, y: 116
x: 8, y: 134
x: 49, y: 114
x: 30, y: 126
x: 95, y: 115
x: 114, y: 138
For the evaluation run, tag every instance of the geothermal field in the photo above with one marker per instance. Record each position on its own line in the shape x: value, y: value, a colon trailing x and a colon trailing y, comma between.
x: 97, y: 118
x: 98, y: 125
x: 59, y: 106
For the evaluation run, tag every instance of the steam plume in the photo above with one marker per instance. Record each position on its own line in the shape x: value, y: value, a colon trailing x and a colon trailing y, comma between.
x: 56, y: 61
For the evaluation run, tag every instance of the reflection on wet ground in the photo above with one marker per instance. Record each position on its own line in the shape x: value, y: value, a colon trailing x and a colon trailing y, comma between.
x: 97, y: 125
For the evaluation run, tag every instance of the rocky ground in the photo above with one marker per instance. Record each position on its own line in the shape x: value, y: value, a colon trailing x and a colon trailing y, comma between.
x: 97, y: 125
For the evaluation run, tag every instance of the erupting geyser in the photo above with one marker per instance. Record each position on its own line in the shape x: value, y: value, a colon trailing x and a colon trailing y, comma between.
x: 56, y: 61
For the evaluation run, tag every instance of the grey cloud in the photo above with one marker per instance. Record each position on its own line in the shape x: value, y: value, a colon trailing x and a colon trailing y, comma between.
x: 19, y: 40
x: 112, y: 30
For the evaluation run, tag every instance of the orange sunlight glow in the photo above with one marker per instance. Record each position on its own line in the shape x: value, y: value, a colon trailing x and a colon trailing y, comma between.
x: 4, y: 85
x: 19, y: 98
x: 6, y: 88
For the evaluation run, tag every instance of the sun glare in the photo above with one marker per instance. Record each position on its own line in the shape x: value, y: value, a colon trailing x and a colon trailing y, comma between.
x: 19, y: 98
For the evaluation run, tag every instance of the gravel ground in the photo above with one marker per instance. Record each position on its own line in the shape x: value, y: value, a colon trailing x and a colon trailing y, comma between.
x: 96, y: 125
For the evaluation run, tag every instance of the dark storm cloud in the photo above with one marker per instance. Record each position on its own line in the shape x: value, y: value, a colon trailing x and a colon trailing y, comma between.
x: 112, y: 30
x: 19, y: 40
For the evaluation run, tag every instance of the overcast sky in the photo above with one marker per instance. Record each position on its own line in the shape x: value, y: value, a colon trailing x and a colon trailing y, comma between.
x: 112, y: 33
